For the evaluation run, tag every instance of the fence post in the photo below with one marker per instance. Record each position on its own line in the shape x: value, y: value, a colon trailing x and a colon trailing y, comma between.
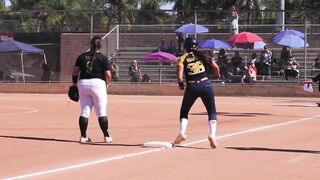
x: 305, y: 48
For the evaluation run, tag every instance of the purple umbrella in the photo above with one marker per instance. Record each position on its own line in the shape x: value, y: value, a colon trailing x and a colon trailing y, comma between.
x: 291, y: 41
x: 287, y: 32
x: 191, y: 28
x: 160, y: 56
x: 213, y: 43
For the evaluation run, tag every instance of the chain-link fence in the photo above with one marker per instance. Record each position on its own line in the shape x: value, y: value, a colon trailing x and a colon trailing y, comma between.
x: 130, y: 35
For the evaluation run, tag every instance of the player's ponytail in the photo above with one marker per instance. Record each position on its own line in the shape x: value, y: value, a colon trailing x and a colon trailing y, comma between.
x: 95, y: 43
x: 204, y: 56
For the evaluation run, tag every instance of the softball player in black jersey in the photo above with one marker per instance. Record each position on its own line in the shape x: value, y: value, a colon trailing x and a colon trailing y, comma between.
x: 194, y: 65
x: 94, y: 70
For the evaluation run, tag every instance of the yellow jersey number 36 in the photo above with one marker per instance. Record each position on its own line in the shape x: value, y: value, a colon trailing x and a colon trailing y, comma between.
x: 195, y: 68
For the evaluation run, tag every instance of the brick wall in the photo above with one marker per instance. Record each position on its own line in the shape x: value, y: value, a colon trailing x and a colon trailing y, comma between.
x: 269, y: 90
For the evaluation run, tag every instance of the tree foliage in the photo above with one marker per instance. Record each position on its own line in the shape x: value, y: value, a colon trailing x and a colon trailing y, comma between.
x: 71, y: 15
x: 2, y: 5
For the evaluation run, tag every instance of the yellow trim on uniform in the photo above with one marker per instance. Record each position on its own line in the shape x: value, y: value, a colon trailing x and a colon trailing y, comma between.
x: 182, y: 59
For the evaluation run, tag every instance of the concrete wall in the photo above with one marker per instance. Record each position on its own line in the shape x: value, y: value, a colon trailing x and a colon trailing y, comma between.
x: 278, y: 90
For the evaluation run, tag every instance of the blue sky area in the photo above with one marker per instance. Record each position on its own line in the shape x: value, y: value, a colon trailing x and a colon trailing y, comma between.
x: 8, y: 3
x: 167, y: 6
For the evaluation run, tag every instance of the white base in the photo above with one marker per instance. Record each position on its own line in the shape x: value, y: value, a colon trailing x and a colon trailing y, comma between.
x: 158, y: 144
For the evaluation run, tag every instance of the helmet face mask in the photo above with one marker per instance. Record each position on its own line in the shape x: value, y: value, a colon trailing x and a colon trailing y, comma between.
x: 190, y: 44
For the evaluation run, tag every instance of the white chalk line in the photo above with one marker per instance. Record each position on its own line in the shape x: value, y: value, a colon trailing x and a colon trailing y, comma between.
x: 255, y: 129
x: 25, y: 110
x: 156, y: 150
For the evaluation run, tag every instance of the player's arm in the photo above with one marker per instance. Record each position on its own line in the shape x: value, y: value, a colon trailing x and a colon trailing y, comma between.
x: 107, y: 75
x: 75, y: 74
x: 76, y: 70
x: 180, y: 73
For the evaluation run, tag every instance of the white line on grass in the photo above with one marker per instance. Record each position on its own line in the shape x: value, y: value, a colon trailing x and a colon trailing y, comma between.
x: 156, y: 150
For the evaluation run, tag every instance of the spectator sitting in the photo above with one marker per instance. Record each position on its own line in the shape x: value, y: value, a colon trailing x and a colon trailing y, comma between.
x: 223, y: 64
x: 114, y: 71
x: 291, y: 69
x: 172, y: 48
x: 250, y: 73
x: 284, y: 57
x: 236, y: 62
x: 134, y: 72
x: 163, y: 46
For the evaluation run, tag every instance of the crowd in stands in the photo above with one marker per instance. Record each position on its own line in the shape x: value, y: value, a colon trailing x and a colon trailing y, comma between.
x: 238, y: 68
x: 171, y: 48
x: 235, y: 67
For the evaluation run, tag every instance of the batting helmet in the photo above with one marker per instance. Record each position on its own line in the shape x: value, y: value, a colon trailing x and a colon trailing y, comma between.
x: 190, y: 44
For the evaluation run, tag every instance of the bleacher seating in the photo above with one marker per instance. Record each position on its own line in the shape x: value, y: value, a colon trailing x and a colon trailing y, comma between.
x: 167, y: 70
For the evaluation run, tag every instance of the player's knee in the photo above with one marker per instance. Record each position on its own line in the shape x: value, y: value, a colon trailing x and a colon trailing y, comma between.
x: 85, y: 112
x: 212, y: 116
x: 101, y: 113
x: 183, y: 116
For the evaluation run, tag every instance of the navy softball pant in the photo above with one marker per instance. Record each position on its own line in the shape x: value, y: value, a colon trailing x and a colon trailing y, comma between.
x: 202, y: 89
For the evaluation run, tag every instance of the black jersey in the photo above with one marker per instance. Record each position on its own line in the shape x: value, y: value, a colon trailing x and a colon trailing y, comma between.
x: 92, y: 65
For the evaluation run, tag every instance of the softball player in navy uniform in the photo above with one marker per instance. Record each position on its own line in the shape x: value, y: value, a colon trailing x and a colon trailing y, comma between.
x: 194, y: 65
x: 94, y: 70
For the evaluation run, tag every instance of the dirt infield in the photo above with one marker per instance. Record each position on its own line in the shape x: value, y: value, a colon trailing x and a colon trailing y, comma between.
x: 259, y: 138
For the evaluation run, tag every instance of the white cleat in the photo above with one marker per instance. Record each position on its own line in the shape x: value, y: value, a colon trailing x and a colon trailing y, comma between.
x: 108, y: 139
x: 213, y: 141
x: 180, y: 138
x: 85, y: 140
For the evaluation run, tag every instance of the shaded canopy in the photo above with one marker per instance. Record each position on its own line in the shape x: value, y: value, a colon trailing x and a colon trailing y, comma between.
x: 12, y: 46
x: 16, y: 46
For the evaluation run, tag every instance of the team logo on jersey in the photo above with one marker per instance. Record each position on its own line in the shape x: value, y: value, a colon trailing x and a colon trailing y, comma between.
x: 89, y: 64
x: 87, y: 57
x: 190, y: 59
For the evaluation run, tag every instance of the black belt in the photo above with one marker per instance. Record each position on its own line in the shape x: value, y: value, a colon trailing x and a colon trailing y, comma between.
x: 198, y: 81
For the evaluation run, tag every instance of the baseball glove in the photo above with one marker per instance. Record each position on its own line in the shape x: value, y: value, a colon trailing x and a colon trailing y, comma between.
x: 73, y: 93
